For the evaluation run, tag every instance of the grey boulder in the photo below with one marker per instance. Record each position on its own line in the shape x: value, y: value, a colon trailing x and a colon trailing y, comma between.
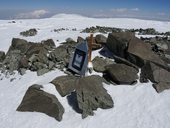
x: 91, y: 95
x: 121, y: 74
x: 37, y: 100
x: 65, y: 84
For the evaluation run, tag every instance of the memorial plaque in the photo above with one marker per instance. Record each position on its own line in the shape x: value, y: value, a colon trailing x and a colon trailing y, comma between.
x: 79, y: 61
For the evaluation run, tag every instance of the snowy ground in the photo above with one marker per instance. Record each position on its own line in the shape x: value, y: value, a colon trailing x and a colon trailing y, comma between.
x: 136, y: 106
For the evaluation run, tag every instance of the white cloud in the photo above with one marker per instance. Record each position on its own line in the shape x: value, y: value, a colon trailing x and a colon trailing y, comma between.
x: 30, y: 15
x: 119, y: 9
x: 161, y: 14
x: 122, y: 10
x: 135, y: 9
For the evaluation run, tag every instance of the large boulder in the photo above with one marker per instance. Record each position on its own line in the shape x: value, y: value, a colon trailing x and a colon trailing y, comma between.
x: 120, y: 60
x: 121, y: 74
x: 65, y: 84
x: 91, y: 95
x: 19, y: 44
x: 155, y: 73
x: 2, y: 56
x: 100, y: 63
x: 101, y: 39
x: 118, y: 42
x: 37, y: 100
x: 139, y: 50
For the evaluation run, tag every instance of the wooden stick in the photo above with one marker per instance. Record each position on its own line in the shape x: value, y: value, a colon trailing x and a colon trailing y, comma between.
x: 90, y: 47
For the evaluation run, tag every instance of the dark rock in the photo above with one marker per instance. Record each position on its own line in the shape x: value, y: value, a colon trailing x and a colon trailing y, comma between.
x: 101, y: 39
x: 120, y: 60
x: 121, y: 74
x: 65, y: 84
x: 118, y: 43
x: 141, y: 51
x: 12, y: 60
x: 23, y: 63
x: 37, y: 100
x: 49, y: 43
x: 69, y: 40
x: 2, y: 56
x: 99, y: 63
x: 160, y: 87
x: 155, y: 73
x: 91, y: 95
x: 30, y: 32
x: 19, y: 44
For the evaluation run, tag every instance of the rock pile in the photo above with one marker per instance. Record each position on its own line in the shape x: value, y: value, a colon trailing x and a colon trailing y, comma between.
x: 30, y: 32
x: 41, y: 57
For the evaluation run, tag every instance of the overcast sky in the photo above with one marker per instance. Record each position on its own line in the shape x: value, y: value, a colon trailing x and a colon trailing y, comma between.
x: 143, y: 9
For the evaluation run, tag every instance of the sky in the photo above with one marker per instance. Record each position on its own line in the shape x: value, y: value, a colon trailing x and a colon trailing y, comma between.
x: 143, y: 9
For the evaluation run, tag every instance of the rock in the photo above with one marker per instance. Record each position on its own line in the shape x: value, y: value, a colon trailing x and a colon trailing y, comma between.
x: 19, y: 44
x: 2, y: 56
x: 142, y: 51
x: 23, y: 62
x: 42, y: 71
x: 121, y: 74
x: 69, y: 40
x: 120, y: 60
x: 30, y: 32
x: 91, y: 95
x: 65, y: 84
x: 118, y: 43
x: 99, y: 63
x: 49, y: 43
x: 12, y: 60
x: 80, y: 39
x: 95, y: 46
x: 160, y: 87
x: 101, y: 39
x: 155, y: 73
x: 37, y: 100
x: 22, y: 71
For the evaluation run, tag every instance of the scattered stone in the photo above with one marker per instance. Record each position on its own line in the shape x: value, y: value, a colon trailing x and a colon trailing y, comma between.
x: 121, y: 74
x: 65, y: 84
x: 30, y: 32
x: 37, y: 100
x: 2, y: 56
x: 49, y: 42
x: 99, y: 63
x: 91, y: 95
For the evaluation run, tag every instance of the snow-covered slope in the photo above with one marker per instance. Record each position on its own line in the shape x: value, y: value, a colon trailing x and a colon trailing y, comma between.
x: 136, y: 106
